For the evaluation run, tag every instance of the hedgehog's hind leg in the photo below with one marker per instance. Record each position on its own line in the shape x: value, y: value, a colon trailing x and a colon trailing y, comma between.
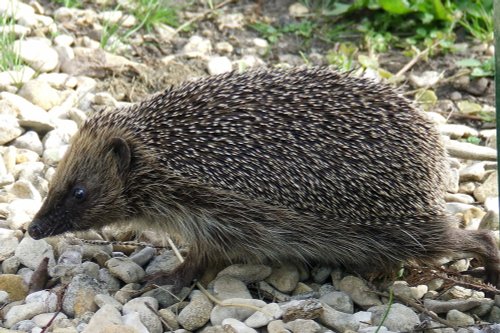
x: 481, y: 245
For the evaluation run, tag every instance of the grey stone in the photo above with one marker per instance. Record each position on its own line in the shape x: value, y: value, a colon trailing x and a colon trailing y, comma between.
x: 399, y: 318
x: 38, y: 53
x: 338, y: 300
x: 219, y: 313
x: 41, y: 93
x: 470, y: 151
x: 31, y: 252
x: 303, y: 326
x: 489, y: 188
x: 80, y: 293
x: 196, y: 313
x: 234, y: 325
x: 226, y: 287
x: 29, y: 140
x: 142, y: 257
x: 106, y: 315
x: 247, y: 273
x: 9, y: 129
x: 284, y: 278
x: 269, y: 312
x: 459, y: 318
x: 358, y: 291
x: 148, y: 317
x: 125, y: 269
x: 337, y: 320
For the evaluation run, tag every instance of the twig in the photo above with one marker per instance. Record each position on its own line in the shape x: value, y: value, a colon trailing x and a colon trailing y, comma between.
x: 204, y: 291
x: 415, y: 59
x: 170, y: 329
x: 199, y: 17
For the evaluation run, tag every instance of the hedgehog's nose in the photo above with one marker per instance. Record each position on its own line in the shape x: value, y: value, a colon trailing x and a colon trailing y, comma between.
x: 35, y: 230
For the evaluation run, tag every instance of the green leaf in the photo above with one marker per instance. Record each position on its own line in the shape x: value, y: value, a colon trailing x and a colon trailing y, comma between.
x: 468, y: 63
x: 338, y: 9
x: 398, y: 7
x: 440, y: 11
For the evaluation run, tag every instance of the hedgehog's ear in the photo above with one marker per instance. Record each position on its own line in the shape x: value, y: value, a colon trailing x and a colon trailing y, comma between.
x: 121, y: 150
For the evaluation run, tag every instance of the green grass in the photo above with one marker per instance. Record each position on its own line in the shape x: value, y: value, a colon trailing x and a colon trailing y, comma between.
x: 151, y: 12
x: 9, y: 59
x: 148, y: 14
x: 70, y: 3
x: 406, y: 24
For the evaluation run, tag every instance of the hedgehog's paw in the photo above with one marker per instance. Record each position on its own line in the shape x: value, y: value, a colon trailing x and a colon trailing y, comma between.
x: 182, y: 276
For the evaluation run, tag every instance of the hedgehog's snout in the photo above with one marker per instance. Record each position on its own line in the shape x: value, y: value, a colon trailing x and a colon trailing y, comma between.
x: 35, y: 229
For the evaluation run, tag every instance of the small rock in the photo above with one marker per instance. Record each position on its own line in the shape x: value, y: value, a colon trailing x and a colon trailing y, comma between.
x: 143, y: 256
x: 8, y: 246
x: 337, y: 320
x: 489, y: 188
x: 277, y: 326
x: 231, y: 21
x: 105, y: 316
x: 219, y: 65
x: 41, y: 93
x: 474, y: 172
x: 399, y: 318
x: 226, y: 287
x: 338, y: 300
x: 9, y: 129
x: 359, y: 291
x: 262, y: 45
x: 426, y: 79
x: 165, y: 262
x: 303, y: 326
x: 29, y: 140
x: 297, y: 10
x: 458, y: 318
x: 302, y: 309
x: 419, y: 291
x: 196, y: 313
x: 457, y: 131
x: 125, y: 269
x: 22, y: 312
x: 236, y: 326
x: 31, y: 252
x: 438, y: 306
x: 132, y: 320
x: 170, y: 318
x: 269, y: 312
x: 219, y: 313
x: 148, y: 317
x: 470, y: 151
x: 80, y: 294
x: 103, y: 299
x: 16, y: 77
x: 247, y: 273
x: 28, y: 114
x: 284, y: 278
x: 197, y: 46
x: 223, y: 48
x: 460, y: 198
x: 43, y: 319
x: 38, y: 53
x: 14, y: 286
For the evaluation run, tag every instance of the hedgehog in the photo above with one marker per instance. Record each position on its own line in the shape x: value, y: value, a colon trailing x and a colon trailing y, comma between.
x: 308, y: 165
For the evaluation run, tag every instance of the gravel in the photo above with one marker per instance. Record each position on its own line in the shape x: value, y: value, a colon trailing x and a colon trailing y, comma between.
x: 45, y: 101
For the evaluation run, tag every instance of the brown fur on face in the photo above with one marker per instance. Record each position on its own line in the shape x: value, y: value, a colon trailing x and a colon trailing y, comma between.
x: 305, y: 165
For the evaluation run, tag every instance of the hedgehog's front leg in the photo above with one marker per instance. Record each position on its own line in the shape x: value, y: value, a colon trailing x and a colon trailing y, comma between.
x: 183, y: 275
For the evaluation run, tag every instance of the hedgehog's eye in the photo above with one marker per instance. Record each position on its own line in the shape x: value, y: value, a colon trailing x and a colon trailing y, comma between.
x: 79, y: 193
